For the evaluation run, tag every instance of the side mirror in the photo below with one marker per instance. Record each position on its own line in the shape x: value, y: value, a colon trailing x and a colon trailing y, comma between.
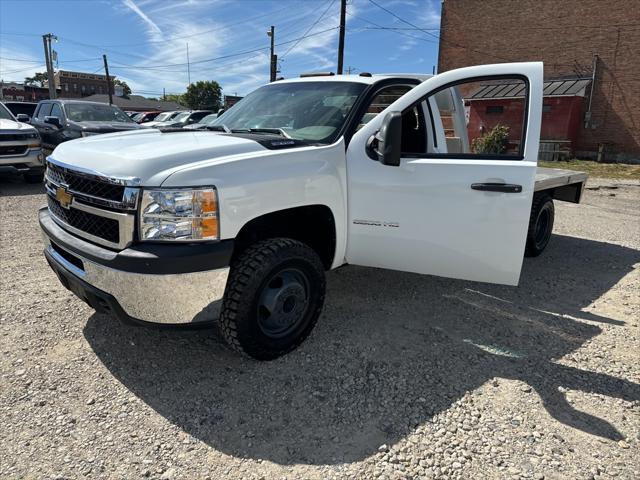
x: 385, y: 145
x: 23, y: 117
x: 220, y: 112
x: 53, y: 121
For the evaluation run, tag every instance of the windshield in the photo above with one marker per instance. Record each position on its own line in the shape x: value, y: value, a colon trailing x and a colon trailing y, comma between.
x: 5, y: 114
x: 91, y: 112
x: 182, y: 117
x: 209, y: 119
x: 163, y: 116
x: 311, y: 111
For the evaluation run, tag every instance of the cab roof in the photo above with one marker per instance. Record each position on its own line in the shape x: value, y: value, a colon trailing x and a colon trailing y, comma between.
x: 368, y: 80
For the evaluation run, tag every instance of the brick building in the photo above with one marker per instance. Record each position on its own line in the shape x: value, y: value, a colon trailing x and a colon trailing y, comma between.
x: 570, y: 37
x: 14, y: 91
x: 79, y: 84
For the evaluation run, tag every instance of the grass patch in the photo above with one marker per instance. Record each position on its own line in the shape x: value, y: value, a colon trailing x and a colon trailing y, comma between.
x: 600, y: 170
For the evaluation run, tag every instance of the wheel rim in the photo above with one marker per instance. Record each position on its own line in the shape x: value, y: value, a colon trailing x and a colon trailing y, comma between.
x: 542, y: 232
x: 283, y: 302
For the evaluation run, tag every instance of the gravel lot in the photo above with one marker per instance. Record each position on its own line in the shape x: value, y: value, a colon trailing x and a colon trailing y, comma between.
x: 405, y: 376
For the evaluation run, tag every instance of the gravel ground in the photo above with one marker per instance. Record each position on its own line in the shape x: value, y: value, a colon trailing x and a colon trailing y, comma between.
x: 405, y: 376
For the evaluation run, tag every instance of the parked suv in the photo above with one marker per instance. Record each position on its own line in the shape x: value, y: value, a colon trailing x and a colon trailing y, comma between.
x: 62, y: 120
x: 20, y: 147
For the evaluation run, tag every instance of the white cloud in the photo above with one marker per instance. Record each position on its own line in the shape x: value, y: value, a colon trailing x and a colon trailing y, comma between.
x: 16, y: 62
x: 150, y: 23
x: 185, y: 21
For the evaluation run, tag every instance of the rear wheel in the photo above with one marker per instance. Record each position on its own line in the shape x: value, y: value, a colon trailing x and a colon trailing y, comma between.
x: 540, y: 224
x: 273, y: 299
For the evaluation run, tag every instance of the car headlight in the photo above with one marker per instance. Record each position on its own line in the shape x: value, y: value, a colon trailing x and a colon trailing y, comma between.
x: 34, y: 140
x: 179, y: 214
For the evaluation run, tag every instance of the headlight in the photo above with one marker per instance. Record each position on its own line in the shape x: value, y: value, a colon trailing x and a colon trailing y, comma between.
x: 34, y: 140
x: 179, y: 215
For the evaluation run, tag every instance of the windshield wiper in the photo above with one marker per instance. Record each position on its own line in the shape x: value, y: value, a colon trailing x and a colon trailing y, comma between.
x: 218, y: 128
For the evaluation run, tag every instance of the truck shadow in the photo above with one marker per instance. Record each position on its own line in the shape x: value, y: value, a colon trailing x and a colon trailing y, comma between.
x: 390, y: 351
x: 13, y: 185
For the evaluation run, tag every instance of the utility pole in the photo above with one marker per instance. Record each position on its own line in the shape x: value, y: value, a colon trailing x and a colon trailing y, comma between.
x: 106, y: 71
x: 351, y: 70
x: 273, y: 58
x: 164, y: 94
x: 188, y: 66
x: 46, y: 40
x: 343, y: 13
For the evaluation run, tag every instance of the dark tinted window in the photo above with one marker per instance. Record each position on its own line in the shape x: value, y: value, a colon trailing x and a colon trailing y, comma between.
x: 44, y: 110
x: 56, y: 111
x: 24, y: 108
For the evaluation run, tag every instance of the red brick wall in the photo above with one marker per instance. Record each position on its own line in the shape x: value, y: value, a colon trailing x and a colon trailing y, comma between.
x: 562, y: 122
x: 564, y: 35
x: 481, y: 122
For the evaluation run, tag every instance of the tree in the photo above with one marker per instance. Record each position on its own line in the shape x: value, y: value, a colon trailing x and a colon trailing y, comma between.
x: 125, y: 88
x: 203, y: 95
x: 494, y: 142
x: 175, y: 97
x: 38, y: 79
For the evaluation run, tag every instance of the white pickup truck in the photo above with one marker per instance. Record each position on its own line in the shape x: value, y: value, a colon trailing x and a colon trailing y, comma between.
x: 239, y: 222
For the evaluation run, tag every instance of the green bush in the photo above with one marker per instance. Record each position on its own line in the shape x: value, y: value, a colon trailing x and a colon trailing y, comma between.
x: 494, y: 142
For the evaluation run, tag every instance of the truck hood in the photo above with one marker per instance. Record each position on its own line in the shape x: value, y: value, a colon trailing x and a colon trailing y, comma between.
x: 149, y: 155
x: 14, y: 125
x: 105, y: 127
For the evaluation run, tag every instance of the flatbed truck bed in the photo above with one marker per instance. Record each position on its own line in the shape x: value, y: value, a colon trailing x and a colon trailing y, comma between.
x: 564, y: 185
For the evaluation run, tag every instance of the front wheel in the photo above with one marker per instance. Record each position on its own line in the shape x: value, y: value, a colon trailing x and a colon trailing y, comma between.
x: 273, y: 298
x: 540, y: 224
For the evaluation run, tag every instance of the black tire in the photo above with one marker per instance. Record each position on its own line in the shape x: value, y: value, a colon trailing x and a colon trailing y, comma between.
x: 540, y: 224
x: 34, y: 177
x: 274, y: 296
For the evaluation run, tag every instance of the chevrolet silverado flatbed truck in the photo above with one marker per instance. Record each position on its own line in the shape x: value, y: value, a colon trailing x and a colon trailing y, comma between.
x: 240, y: 222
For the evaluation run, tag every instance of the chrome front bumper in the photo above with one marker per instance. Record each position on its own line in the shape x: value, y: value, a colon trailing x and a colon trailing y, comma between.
x: 158, y: 298
x: 32, y: 159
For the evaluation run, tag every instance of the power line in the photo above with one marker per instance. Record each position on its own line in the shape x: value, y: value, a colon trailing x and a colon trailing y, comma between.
x: 222, y: 57
x: 331, y: 2
x: 435, y: 36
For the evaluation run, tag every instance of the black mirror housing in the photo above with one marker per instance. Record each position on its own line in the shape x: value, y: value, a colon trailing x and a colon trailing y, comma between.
x: 385, y: 146
x: 53, y: 121
x: 23, y: 117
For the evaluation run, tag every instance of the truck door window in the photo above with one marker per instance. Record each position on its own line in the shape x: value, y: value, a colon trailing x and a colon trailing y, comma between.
x: 56, y: 111
x: 44, y: 110
x: 481, y: 118
x: 382, y: 100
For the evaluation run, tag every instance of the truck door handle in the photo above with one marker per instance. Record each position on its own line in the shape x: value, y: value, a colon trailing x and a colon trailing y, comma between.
x: 497, y: 187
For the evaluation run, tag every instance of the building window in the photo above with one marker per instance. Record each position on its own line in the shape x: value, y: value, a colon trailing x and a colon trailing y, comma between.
x: 546, y: 108
x: 494, y: 109
x: 75, y: 87
x: 83, y: 88
x: 100, y: 88
x: 66, y: 87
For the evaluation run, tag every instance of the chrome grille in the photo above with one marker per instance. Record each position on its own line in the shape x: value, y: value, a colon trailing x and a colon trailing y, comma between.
x: 99, y: 208
x: 94, y: 225
x: 81, y: 183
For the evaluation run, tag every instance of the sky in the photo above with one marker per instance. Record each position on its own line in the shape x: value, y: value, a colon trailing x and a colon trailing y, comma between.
x: 146, y: 40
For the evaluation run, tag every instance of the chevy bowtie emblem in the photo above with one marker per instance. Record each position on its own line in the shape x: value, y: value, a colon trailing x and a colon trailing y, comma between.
x: 63, y: 197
